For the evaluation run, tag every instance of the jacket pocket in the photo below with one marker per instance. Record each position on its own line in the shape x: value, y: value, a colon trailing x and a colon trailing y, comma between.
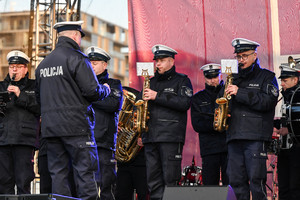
x: 251, y: 123
x: 28, y: 128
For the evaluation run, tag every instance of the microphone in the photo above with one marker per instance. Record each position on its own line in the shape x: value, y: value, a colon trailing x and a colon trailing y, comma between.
x: 12, y: 81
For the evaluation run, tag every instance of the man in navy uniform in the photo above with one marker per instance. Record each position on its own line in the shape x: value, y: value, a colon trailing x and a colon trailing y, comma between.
x: 169, y: 98
x: 107, y: 118
x: 288, y: 164
x: 66, y: 87
x: 213, y: 146
x: 254, y: 96
x: 19, y: 126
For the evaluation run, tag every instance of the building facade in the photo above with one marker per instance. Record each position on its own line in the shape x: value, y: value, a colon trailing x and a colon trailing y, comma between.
x: 14, y: 32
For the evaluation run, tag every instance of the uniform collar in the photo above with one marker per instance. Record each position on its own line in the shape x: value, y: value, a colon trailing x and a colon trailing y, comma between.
x: 167, y: 75
x: 103, y: 76
x: 289, y: 90
x: 245, y: 72
x: 212, y: 89
x: 67, y: 42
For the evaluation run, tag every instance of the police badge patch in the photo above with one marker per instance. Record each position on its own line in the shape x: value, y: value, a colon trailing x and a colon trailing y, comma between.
x: 116, y: 92
x: 271, y: 89
x: 187, y: 91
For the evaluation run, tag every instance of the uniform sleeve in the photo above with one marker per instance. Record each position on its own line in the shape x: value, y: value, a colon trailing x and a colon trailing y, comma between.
x: 201, y: 116
x: 37, y: 91
x: 29, y: 103
x: 88, y: 83
x: 113, y: 102
x: 178, y: 101
x: 260, y: 100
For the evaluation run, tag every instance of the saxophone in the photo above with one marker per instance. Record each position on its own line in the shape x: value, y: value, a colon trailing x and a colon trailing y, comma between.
x: 142, y: 115
x: 132, y: 124
x: 221, y: 113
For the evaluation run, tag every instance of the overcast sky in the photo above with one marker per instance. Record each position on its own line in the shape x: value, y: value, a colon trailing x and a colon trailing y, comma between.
x: 114, y: 11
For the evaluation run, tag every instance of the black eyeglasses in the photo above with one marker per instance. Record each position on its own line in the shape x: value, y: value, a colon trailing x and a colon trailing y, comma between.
x: 16, y: 66
x: 243, y: 56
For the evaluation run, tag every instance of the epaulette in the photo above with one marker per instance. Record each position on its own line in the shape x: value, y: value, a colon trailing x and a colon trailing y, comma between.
x: 183, y: 75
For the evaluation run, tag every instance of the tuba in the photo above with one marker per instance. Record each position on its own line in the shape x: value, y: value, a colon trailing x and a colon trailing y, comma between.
x: 131, y: 124
x: 126, y: 146
x: 221, y: 113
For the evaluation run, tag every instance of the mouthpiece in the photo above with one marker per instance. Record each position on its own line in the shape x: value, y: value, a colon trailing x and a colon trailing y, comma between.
x: 13, y: 77
x: 241, y: 64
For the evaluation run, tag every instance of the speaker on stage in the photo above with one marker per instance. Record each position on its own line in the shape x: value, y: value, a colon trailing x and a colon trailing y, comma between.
x: 199, y: 192
x: 45, y: 197
x: 9, y: 197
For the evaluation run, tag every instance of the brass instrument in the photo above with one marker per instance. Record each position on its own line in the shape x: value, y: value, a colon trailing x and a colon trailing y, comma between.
x: 291, y: 62
x: 126, y: 145
x: 221, y: 113
x: 132, y: 124
x: 142, y: 115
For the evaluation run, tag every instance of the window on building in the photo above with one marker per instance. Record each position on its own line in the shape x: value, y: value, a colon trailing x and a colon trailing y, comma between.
x: 111, y: 46
x: 111, y: 65
x: 94, y: 40
x: 120, y: 66
x: 89, y: 23
x: 111, y: 31
x: 123, y: 36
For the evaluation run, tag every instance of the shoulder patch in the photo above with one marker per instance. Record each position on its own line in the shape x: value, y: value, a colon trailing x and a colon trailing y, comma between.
x: 186, y: 91
x: 116, y: 92
x: 271, y: 89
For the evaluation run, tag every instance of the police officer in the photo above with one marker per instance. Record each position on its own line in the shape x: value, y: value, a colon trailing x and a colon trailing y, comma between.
x: 107, y: 117
x: 254, y: 96
x: 169, y: 98
x: 66, y: 86
x: 19, y: 124
x: 213, y: 146
x: 288, y: 164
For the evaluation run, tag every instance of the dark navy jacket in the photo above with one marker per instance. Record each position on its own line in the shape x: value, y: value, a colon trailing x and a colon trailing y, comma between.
x: 20, y: 124
x: 202, y: 116
x: 107, y: 113
x: 291, y: 114
x: 253, y: 107
x: 66, y: 86
x: 168, y: 112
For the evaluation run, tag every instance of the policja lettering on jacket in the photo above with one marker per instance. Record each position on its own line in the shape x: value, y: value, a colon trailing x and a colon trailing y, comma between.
x: 51, y: 71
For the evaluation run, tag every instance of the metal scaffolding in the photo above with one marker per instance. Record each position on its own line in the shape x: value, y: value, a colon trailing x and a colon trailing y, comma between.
x: 43, y: 15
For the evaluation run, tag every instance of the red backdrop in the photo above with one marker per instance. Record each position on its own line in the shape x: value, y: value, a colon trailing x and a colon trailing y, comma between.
x: 201, y: 31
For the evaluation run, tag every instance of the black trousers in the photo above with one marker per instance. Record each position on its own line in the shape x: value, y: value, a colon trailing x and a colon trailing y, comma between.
x: 212, y: 165
x: 131, y: 177
x: 82, y: 152
x: 45, y: 178
x: 106, y: 174
x: 163, y: 162
x: 16, y: 168
x: 289, y: 174
x: 247, y: 169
